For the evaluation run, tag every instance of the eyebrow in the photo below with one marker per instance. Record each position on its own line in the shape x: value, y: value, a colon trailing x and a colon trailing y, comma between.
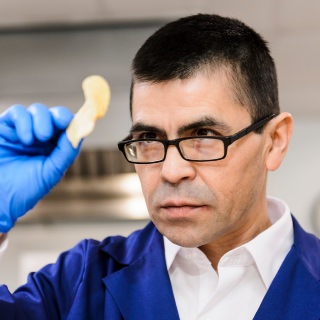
x: 203, y: 122
x: 139, y: 127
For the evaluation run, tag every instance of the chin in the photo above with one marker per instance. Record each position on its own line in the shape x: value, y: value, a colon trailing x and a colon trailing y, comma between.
x: 183, y: 238
x: 184, y: 233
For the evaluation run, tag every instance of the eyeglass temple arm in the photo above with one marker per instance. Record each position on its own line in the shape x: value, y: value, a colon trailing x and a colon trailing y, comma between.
x: 252, y: 127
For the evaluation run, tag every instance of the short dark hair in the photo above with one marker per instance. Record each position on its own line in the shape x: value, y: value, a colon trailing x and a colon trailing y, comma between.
x: 184, y: 47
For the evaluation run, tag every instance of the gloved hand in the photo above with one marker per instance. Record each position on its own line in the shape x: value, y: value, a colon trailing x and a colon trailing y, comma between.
x: 34, y: 155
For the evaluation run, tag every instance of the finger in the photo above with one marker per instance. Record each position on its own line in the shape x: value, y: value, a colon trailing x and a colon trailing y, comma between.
x: 8, y: 134
x: 16, y: 124
x: 43, y: 128
x: 61, y: 117
x: 59, y: 161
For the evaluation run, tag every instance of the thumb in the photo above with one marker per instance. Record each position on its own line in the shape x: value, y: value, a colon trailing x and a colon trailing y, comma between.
x: 59, y: 161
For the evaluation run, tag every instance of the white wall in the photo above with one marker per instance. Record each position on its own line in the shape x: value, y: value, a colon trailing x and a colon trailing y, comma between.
x: 49, y: 67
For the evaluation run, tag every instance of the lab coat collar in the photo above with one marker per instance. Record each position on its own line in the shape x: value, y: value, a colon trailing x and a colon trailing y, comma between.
x: 142, y: 288
x: 295, y: 291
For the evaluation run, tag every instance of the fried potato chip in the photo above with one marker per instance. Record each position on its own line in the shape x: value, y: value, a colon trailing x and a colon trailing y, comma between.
x: 96, y: 92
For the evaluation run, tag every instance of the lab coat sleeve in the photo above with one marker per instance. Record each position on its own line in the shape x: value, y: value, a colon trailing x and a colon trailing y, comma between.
x: 48, y: 293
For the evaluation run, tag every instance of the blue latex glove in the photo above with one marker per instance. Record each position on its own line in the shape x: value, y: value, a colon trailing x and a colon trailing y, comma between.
x: 34, y: 155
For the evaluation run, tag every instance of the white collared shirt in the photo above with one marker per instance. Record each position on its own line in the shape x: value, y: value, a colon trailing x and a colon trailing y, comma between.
x: 244, y: 273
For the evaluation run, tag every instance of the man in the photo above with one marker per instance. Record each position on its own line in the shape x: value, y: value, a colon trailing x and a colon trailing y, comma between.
x: 206, y: 130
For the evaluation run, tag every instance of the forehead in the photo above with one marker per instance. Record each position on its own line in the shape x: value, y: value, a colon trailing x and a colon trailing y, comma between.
x: 169, y: 104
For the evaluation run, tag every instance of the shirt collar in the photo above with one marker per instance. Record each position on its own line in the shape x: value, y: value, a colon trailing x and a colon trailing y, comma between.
x: 170, y: 249
x: 276, y: 240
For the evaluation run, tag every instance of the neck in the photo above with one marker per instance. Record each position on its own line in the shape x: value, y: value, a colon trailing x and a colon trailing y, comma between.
x: 243, y: 234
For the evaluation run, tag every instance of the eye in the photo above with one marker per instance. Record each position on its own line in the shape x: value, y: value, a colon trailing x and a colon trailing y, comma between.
x: 146, y: 135
x: 204, y: 132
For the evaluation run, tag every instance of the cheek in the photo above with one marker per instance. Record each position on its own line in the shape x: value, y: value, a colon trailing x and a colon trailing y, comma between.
x: 247, y: 178
x: 148, y: 180
x: 239, y: 175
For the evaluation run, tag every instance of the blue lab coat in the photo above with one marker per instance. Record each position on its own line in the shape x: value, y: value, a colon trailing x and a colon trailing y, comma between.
x: 127, y: 278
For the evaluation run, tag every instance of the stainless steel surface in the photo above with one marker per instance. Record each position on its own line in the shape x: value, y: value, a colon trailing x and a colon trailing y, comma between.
x: 99, y: 186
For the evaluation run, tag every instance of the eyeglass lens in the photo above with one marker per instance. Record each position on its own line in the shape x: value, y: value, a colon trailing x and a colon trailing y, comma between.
x: 197, y: 149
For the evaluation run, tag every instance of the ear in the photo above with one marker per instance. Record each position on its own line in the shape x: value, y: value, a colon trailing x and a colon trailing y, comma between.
x: 280, y: 131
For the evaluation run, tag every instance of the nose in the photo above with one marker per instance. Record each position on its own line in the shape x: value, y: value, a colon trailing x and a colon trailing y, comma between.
x: 175, y: 168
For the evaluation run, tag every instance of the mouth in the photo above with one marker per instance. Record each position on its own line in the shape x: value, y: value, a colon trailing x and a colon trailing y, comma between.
x: 181, y: 210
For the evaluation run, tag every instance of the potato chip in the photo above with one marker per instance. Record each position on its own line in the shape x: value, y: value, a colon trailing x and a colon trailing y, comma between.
x: 96, y: 92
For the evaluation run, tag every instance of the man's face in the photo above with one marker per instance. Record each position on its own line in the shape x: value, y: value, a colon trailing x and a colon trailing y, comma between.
x: 194, y: 203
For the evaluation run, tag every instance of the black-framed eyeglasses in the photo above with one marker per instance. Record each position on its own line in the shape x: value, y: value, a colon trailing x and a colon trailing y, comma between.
x: 197, y: 148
